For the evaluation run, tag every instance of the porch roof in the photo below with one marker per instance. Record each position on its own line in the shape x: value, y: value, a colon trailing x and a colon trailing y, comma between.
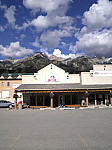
x: 62, y: 87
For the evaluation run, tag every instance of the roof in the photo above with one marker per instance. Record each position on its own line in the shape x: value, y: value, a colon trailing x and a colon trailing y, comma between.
x: 14, y: 75
x: 61, y: 87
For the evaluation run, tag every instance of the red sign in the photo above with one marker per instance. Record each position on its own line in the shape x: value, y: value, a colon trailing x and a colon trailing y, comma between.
x: 52, y: 78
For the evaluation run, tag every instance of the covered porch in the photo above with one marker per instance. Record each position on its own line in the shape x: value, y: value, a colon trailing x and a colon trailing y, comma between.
x: 65, y: 95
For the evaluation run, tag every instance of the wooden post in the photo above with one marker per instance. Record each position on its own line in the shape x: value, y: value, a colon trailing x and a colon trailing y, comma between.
x: 87, y: 98
x: 51, y: 102
x: 51, y: 96
x: 111, y: 97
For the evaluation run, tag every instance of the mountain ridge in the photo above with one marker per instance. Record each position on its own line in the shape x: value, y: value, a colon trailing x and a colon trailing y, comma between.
x: 33, y: 63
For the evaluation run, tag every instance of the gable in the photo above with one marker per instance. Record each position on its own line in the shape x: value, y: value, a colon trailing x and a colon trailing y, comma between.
x: 51, y: 69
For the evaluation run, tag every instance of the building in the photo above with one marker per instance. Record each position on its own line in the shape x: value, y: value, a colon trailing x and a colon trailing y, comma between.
x: 52, y: 86
x: 8, y: 84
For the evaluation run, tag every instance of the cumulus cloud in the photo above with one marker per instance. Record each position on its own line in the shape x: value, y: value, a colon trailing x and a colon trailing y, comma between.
x: 96, y: 43
x: 42, y: 22
x: 46, y: 5
x: 99, y: 15
x: 58, y: 53
x: 95, y: 38
x: 55, y: 12
x: 14, y: 50
x: 52, y: 38
x: 9, y: 14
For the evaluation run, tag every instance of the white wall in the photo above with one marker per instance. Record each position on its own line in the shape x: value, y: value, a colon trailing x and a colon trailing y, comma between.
x: 103, y: 67
x: 86, y: 79
x: 51, y: 70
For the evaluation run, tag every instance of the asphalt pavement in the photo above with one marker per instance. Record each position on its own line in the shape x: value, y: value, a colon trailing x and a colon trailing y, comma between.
x: 27, y: 129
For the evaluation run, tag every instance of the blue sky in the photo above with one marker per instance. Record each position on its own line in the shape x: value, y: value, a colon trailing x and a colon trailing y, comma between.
x: 65, y: 28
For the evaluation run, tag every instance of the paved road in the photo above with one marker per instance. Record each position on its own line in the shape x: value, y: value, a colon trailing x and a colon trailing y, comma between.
x: 56, y: 129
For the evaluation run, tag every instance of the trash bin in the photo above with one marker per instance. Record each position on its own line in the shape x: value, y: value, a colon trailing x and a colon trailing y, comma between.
x: 20, y: 104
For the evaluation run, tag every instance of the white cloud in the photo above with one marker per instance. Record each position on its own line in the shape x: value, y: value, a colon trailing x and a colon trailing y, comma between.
x: 96, y: 43
x: 95, y: 38
x: 46, y: 5
x: 55, y: 13
x: 50, y: 21
x: 99, y: 15
x: 52, y: 38
x: 14, y: 50
x: 58, y: 53
x: 9, y: 14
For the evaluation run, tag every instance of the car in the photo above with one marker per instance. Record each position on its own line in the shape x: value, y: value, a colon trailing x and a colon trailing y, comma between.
x: 6, y: 104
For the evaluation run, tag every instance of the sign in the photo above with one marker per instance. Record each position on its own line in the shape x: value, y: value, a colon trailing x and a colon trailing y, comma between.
x: 15, y: 85
x: 101, y: 73
x: 52, y: 78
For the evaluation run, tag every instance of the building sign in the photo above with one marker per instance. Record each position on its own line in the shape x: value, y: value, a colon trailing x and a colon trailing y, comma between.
x: 15, y: 85
x: 52, y: 78
x: 102, y: 73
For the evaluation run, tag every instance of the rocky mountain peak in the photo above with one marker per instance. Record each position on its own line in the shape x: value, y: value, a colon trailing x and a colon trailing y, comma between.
x: 33, y: 63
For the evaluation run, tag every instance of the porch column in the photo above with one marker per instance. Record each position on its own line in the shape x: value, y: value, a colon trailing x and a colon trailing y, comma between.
x: 87, y: 94
x: 95, y: 100
x: 51, y: 96
x: 111, y: 97
x: 51, y: 102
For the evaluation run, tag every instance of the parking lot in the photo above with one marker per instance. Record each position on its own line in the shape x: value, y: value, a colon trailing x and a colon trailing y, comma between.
x: 29, y: 129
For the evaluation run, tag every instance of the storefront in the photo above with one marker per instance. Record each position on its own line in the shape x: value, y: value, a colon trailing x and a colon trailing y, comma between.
x: 53, y: 87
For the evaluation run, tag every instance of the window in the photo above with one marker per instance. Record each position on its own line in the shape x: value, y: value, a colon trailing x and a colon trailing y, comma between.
x: 8, y: 83
x: 5, y: 94
x: 2, y: 83
x: 67, y: 77
x: 104, y: 67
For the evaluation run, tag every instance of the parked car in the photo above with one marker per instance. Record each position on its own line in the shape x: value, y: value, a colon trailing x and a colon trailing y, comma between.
x: 6, y: 104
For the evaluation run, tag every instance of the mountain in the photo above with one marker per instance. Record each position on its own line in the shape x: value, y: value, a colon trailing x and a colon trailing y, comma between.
x: 33, y: 63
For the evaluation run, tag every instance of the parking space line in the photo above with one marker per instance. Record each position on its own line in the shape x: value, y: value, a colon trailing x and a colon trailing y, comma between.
x: 16, y: 140
x: 83, y: 141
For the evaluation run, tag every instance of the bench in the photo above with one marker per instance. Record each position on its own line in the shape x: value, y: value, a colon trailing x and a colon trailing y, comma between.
x: 77, y: 105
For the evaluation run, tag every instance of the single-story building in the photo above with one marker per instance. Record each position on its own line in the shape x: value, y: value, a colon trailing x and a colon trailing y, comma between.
x: 52, y: 87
